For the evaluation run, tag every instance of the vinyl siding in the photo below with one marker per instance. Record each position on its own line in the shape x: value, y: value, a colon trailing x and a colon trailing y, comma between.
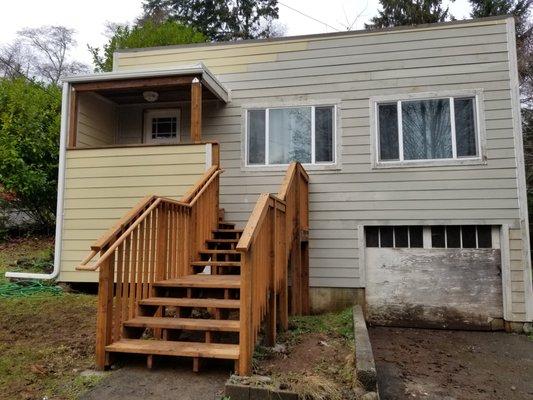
x: 97, y: 121
x: 101, y: 185
x: 349, y: 69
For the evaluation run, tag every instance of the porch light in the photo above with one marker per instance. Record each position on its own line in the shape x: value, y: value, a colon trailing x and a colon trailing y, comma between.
x: 150, y: 96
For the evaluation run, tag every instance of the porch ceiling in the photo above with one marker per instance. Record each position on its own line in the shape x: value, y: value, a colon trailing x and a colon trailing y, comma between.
x: 171, y: 85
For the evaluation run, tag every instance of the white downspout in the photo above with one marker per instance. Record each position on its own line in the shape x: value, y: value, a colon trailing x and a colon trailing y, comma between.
x: 60, y: 190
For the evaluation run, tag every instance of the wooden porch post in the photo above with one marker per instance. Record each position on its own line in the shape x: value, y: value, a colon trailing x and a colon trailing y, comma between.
x: 104, y: 321
x: 73, y: 118
x: 196, y: 110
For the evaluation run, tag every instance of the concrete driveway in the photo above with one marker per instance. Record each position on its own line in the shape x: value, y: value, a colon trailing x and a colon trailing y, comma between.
x: 438, y: 364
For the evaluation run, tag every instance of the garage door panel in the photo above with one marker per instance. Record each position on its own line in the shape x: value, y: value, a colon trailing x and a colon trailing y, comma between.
x: 441, y: 288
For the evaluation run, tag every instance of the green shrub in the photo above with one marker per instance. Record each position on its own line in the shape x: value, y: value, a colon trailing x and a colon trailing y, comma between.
x: 29, y: 147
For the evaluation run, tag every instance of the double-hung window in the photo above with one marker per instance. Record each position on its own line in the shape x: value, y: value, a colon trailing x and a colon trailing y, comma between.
x: 278, y: 136
x: 427, y: 129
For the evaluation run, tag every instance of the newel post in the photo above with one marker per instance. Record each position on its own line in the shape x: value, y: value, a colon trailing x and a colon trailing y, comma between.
x: 273, y: 266
x: 162, y: 224
x: 104, y: 321
x: 245, y: 332
x: 196, y: 110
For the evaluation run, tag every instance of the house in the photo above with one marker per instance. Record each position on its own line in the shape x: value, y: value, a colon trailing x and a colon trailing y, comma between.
x: 410, y: 197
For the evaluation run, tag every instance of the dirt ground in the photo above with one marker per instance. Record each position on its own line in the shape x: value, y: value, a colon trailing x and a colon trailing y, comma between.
x: 317, y: 364
x: 452, y: 365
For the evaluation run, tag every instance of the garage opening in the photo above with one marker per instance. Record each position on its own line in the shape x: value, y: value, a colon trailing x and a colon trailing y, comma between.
x: 438, y: 276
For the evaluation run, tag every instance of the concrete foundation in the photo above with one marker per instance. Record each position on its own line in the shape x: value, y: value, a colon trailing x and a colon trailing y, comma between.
x: 335, y: 299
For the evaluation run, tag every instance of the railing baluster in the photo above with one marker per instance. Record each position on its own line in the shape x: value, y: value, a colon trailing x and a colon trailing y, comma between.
x: 118, y: 294
x: 140, y: 267
x: 146, y: 266
x: 126, y: 286
x: 133, y: 270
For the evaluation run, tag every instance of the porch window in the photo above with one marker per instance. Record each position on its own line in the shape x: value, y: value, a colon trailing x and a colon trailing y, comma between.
x: 162, y: 126
x: 427, y: 129
x: 278, y: 136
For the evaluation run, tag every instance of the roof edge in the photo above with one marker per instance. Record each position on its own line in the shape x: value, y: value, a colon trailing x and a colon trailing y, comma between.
x: 209, y: 79
x: 435, y: 25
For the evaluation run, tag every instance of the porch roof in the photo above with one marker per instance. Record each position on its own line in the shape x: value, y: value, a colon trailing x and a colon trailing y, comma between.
x: 208, y: 79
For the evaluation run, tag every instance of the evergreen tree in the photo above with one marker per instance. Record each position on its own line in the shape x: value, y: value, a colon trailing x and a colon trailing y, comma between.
x: 146, y: 34
x: 521, y: 10
x: 219, y: 20
x: 409, y: 12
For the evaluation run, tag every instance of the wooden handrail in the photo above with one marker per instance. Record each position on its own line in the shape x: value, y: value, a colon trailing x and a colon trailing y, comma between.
x: 121, y: 239
x: 156, y: 240
x: 191, y: 193
x: 122, y: 223
x: 270, y: 241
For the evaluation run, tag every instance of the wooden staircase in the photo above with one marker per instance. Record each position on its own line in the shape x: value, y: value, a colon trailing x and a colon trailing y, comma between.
x: 175, y: 279
x: 195, y: 315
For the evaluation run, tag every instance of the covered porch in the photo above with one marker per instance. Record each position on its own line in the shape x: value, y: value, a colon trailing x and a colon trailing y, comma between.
x: 160, y: 107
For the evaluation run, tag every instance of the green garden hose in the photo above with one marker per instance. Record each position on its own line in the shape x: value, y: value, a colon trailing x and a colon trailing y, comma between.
x: 27, y: 288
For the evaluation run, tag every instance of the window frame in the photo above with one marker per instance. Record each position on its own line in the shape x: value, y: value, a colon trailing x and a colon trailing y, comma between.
x: 314, y: 165
x: 479, y: 117
x: 150, y: 113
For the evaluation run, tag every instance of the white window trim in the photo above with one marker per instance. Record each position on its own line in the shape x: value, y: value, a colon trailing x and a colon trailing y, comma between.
x: 335, y: 165
x: 477, y: 94
x: 161, y: 112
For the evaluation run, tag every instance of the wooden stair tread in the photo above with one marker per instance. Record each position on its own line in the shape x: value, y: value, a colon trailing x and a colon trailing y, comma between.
x: 228, y: 230
x: 220, y: 251
x: 172, y: 348
x: 203, y: 281
x: 190, y: 302
x: 222, y: 240
x: 193, y: 324
x: 216, y: 263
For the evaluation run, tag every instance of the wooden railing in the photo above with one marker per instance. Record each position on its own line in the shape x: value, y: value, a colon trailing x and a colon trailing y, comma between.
x: 271, y: 242
x: 156, y: 240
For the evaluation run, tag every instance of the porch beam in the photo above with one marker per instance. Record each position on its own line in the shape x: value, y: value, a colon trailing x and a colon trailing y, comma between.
x: 135, y: 83
x: 73, y: 118
x: 196, y: 110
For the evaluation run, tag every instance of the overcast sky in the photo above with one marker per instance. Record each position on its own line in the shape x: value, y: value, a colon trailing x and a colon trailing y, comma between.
x: 88, y: 18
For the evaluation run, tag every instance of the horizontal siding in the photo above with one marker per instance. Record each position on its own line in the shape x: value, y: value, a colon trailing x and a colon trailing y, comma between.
x: 350, y: 69
x: 518, y: 297
x: 101, y: 185
x: 97, y: 121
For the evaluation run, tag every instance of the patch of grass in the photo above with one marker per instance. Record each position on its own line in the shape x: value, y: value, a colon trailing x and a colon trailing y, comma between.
x: 336, y: 324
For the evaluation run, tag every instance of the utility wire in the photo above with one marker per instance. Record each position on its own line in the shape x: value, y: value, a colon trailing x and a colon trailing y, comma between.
x: 308, y: 16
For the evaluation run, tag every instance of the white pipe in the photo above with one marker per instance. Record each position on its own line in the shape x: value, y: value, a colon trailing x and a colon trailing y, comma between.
x: 60, y: 189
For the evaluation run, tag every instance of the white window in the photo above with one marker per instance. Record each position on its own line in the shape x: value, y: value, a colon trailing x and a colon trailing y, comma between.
x: 415, y: 130
x: 162, y: 125
x: 278, y: 136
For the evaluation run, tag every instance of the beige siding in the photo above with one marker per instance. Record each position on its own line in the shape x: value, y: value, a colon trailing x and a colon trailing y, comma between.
x: 349, y: 69
x: 518, y: 297
x: 101, y: 185
x: 97, y: 121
